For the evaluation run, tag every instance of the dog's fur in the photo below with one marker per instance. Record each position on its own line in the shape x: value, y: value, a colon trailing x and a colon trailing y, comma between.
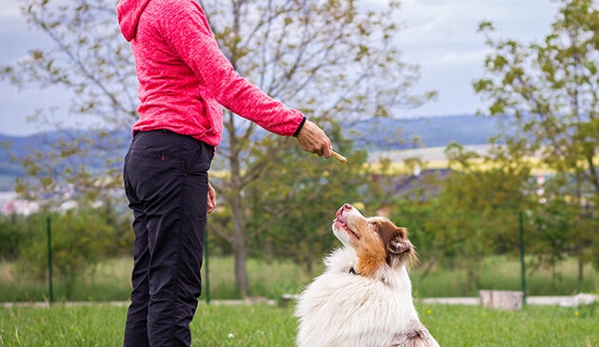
x: 364, y: 298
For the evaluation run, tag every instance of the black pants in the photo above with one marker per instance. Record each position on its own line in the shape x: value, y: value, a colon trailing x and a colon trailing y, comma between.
x: 166, y: 182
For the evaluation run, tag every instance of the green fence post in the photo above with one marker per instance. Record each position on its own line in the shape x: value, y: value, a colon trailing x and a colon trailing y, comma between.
x: 49, y: 233
x: 207, y: 266
x: 522, y: 262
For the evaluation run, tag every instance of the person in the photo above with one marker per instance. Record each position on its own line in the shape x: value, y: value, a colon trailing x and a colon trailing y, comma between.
x: 184, y: 80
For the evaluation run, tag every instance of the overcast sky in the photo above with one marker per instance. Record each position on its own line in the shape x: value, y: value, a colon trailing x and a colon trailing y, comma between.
x: 438, y: 35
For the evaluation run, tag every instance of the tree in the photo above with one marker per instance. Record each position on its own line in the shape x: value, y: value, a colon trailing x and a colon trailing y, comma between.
x: 325, y: 56
x: 89, y: 59
x: 477, y: 211
x: 550, y: 88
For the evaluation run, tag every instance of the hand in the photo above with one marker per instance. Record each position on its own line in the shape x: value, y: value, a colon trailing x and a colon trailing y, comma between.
x: 211, y: 199
x: 312, y: 139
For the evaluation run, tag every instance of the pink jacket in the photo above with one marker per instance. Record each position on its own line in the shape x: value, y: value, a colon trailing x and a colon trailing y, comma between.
x: 184, y: 78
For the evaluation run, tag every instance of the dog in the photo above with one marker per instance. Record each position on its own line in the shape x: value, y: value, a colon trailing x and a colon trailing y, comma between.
x: 364, y: 297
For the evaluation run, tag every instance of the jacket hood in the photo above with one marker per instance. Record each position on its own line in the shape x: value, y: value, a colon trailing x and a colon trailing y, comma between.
x: 128, y: 13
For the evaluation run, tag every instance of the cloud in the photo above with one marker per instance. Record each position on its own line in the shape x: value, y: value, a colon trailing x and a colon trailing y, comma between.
x: 440, y: 36
x: 459, y: 57
x: 456, y: 21
x: 9, y: 9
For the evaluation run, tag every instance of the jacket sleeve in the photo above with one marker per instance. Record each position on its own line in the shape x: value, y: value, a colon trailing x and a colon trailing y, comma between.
x: 187, y: 32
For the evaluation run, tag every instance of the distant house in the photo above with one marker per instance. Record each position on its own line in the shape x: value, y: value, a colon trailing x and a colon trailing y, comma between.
x: 421, y: 185
x: 426, y: 181
x: 10, y: 203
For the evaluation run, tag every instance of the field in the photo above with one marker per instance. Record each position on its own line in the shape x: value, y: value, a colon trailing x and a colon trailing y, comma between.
x: 263, y: 325
x: 101, y: 324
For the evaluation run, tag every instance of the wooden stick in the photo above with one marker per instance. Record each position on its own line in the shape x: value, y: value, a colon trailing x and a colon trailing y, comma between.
x: 339, y: 157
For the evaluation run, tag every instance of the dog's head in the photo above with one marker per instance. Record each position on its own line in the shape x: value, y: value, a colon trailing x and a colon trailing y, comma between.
x: 377, y: 241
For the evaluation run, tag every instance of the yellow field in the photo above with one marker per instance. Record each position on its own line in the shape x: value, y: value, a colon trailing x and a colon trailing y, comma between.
x: 433, y: 158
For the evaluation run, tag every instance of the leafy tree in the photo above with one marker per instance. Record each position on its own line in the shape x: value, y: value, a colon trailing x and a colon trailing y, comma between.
x: 561, y: 228
x: 477, y: 210
x: 551, y: 90
x: 334, y: 60
x: 325, y: 55
x: 552, y: 234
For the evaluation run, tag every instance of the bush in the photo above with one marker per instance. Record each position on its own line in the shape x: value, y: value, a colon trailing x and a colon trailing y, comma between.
x: 13, y: 233
x: 80, y: 239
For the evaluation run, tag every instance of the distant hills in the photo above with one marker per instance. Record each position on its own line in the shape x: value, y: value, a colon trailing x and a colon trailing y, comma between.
x: 380, y: 134
x: 376, y: 134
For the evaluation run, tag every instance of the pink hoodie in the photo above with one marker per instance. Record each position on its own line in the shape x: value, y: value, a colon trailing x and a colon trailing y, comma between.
x: 184, y: 78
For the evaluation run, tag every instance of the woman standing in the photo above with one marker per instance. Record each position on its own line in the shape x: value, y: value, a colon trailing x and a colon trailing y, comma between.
x: 184, y: 79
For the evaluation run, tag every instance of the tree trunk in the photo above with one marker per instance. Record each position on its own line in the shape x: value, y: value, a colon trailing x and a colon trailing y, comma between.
x: 239, y: 243
x: 238, y: 210
x: 241, y: 277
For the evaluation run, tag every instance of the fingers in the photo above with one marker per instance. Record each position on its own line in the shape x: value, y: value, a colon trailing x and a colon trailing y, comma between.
x: 325, y: 151
x: 211, y: 207
x: 328, y: 151
x: 313, y: 139
x: 211, y: 199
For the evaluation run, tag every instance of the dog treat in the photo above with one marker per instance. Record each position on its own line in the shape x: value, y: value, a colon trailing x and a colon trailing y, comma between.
x: 339, y: 157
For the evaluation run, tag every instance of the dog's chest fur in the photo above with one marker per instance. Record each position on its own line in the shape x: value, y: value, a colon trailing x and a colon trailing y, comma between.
x: 343, y: 309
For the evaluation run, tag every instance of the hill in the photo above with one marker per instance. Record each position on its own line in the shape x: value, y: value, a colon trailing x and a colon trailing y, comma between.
x: 380, y: 134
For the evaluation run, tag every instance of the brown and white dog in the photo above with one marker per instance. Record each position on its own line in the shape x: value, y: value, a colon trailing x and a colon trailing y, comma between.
x: 364, y: 297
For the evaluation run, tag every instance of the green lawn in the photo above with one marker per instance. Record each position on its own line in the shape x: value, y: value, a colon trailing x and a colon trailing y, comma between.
x: 262, y: 325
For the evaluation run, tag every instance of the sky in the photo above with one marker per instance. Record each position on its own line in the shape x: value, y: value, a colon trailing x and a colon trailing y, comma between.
x: 438, y: 35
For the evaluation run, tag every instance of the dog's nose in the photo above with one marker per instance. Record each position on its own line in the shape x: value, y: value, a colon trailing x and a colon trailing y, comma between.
x: 345, y: 207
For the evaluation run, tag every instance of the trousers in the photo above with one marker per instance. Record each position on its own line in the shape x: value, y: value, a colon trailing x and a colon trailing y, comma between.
x: 166, y: 183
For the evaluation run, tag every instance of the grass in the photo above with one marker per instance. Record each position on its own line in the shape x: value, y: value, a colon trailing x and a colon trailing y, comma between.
x: 262, y: 325
x: 110, y: 281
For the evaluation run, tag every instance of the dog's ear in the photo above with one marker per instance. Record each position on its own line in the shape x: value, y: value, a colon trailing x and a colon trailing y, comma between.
x: 400, y: 250
x: 396, y: 245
